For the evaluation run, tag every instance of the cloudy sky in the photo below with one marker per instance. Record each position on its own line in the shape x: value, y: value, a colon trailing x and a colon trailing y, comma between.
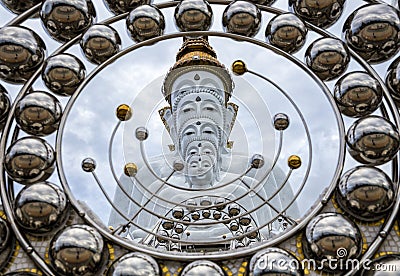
x: 136, y: 78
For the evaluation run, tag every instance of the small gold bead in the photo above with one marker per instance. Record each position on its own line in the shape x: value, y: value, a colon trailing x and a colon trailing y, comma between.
x: 124, y: 112
x: 130, y: 169
x: 294, y: 162
x: 239, y: 67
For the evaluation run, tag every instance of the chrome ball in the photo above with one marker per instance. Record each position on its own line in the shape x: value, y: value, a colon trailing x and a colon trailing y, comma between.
x: 65, y: 19
x: 178, y: 165
x: 5, y: 105
x: 134, y: 264
x: 383, y: 266
x: 141, y: 133
x: 77, y: 250
x: 193, y: 15
x: 281, y: 121
x: 393, y: 79
x: 99, y: 43
x: 357, y: 94
x: 145, y: 22
x: 332, y: 236
x: 366, y: 193
x: 202, y: 267
x: 328, y: 58
x: 123, y: 6
x: 88, y: 164
x: 29, y: 160
x: 233, y: 210
x: 40, y: 208
x: 373, y: 32
x: 19, y: 6
x: 286, y: 32
x: 265, y: 263
x: 38, y: 113
x: 372, y: 140
x: 5, y: 235
x: 63, y: 73
x: 257, y: 161
x: 178, y: 212
x: 242, y: 17
x: 322, y: 13
x: 22, y: 52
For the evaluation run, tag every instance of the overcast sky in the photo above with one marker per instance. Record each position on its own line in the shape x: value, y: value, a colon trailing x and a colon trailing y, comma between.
x: 92, y: 119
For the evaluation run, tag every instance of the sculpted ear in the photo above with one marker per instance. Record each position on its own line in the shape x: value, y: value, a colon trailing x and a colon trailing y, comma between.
x: 167, y: 119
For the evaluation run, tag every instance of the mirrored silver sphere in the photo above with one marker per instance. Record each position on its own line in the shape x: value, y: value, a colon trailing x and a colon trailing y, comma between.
x: 77, y: 250
x: 265, y: 263
x: 134, y: 264
x: 357, y: 94
x: 40, y: 207
x: 384, y: 266
x: 22, y: 52
x: 328, y: 58
x: 366, y: 193
x: 202, y: 267
x: 63, y: 73
x: 193, y: 15
x: 373, y: 32
x: 242, y: 17
x: 145, y: 22
x: 99, y: 43
x: 141, y: 133
x: 257, y: 161
x: 5, y: 235
x: 65, y: 19
x: 88, y: 164
x: 123, y: 6
x: 38, y: 113
x: 5, y: 105
x: 322, y: 13
x: 29, y: 160
x: 19, y: 6
x: 332, y: 236
x: 286, y: 32
x: 393, y: 80
x: 281, y: 121
x: 372, y: 140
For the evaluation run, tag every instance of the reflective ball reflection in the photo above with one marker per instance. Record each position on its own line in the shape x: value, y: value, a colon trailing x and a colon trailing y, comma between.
x: 376, y: 267
x: 242, y: 17
x: 322, y: 13
x: 193, y: 15
x: 202, y: 267
x: 99, y: 43
x: 5, y: 234
x: 88, y: 164
x: 130, y: 169
x: 366, y: 193
x: 239, y: 67
x: 141, y: 133
x: 124, y: 112
x: 372, y: 140
x: 65, y: 19
x: 134, y: 264
x: 38, y: 113
x: 281, y: 121
x: 286, y: 32
x: 357, y: 94
x: 145, y: 22
x: 63, y: 73
x: 289, y: 265
x: 328, y: 58
x: 393, y: 79
x: 123, y: 6
x: 40, y: 207
x: 5, y: 105
x: 19, y: 6
x: 77, y: 250
x: 29, y: 160
x: 22, y: 52
x: 373, y: 32
x: 257, y: 161
x: 326, y: 234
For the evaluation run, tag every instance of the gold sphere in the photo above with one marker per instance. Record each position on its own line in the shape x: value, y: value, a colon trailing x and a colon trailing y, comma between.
x: 239, y: 67
x: 294, y: 162
x: 124, y: 112
x: 130, y: 169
